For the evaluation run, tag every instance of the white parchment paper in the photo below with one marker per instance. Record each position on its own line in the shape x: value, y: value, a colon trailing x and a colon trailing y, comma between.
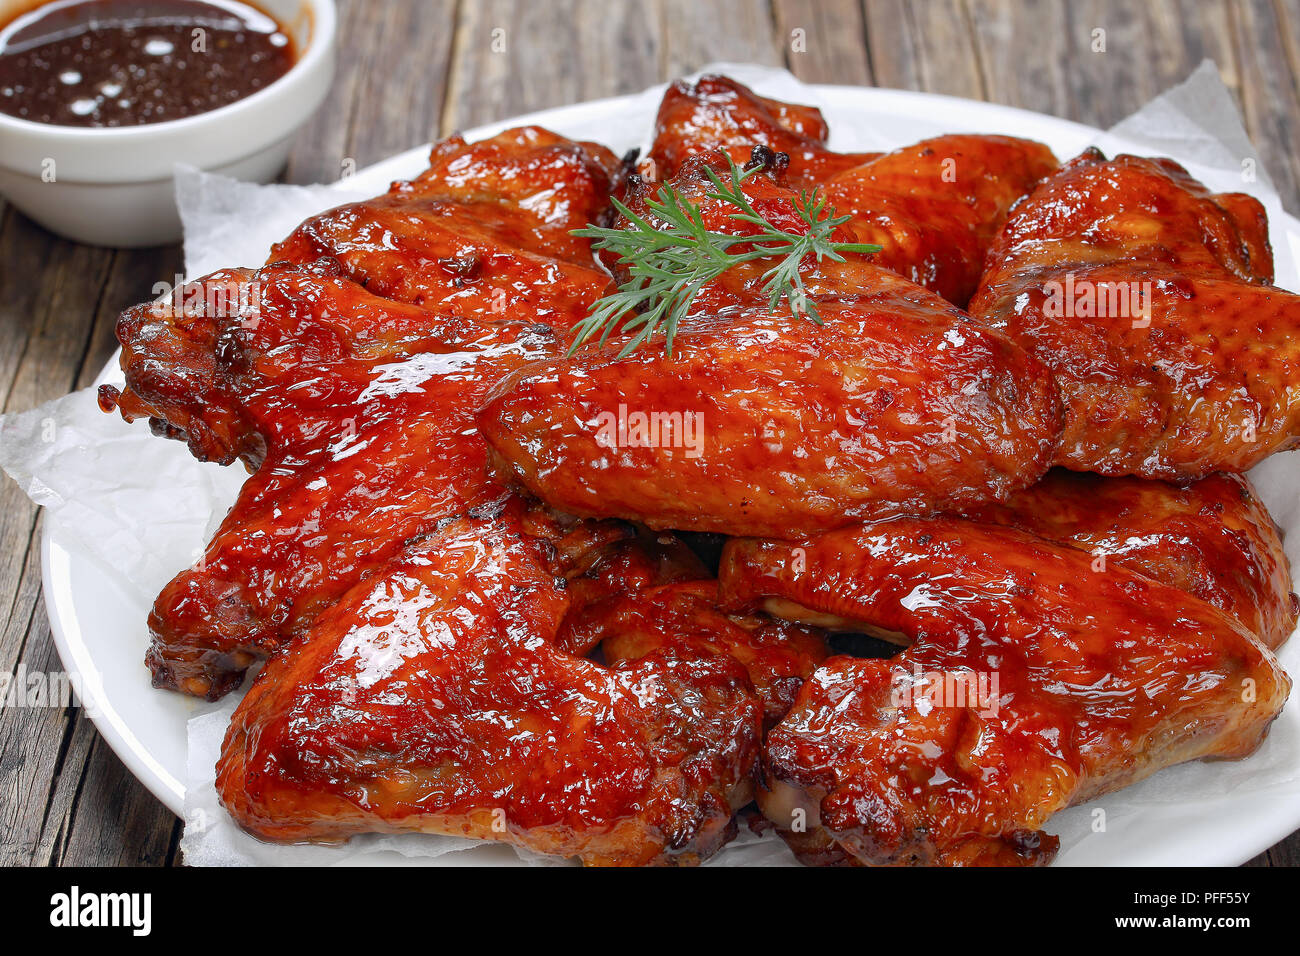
x: 142, y: 508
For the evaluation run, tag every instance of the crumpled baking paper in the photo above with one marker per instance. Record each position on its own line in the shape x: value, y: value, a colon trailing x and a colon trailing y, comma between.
x: 143, y: 508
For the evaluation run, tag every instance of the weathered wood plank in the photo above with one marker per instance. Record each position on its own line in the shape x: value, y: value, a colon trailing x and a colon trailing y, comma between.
x: 128, y: 827
x: 514, y: 58
x: 694, y: 34
x: 1182, y: 33
x: 927, y: 46
x: 388, y: 90
x: 1023, y: 46
x: 824, y: 42
x: 46, y: 318
x: 1122, y: 55
x: 1096, y: 61
x: 32, y: 738
x: 1286, y: 853
x: 1267, y: 47
x: 1106, y: 60
x: 44, y: 750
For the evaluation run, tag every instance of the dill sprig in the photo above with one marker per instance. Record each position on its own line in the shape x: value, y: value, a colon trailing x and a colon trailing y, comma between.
x: 667, y: 266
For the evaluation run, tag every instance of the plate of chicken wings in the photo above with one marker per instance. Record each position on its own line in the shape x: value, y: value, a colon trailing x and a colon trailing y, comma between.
x: 895, y: 504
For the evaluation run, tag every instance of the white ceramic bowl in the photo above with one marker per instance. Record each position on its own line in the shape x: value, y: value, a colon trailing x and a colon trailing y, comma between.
x: 114, y: 187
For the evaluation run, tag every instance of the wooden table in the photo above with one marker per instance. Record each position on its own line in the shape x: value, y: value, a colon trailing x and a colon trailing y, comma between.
x: 414, y: 70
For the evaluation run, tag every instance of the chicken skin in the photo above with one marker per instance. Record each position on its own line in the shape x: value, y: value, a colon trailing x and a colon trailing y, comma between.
x: 619, y: 573
x: 357, y: 413
x: 484, y: 231
x: 1032, y: 683
x: 1212, y: 538
x: 760, y: 424
x: 777, y: 655
x: 717, y: 113
x: 1149, y: 298
x: 936, y: 206
x: 355, y: 409
x: 431, y: 698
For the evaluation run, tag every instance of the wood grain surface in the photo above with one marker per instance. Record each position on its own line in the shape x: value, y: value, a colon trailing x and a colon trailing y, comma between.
x: 413, y: 70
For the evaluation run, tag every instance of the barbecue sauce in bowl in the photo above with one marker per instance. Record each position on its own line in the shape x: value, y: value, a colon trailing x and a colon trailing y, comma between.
x: 133, y: 62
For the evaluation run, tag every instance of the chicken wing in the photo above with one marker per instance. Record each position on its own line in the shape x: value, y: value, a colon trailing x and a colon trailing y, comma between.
x: 1033, y: 682
x: 432, y: 698
x: 357, y: 413
x: 1212, y: 538
x: 757, y: 425
x: 354, y: 408
x: 618, y: 573
x: 1148, y: 297
x: 778, y: 656
x: 716, y: 113
x: 485, y: 230
x: 936, y: 206
x: 760, y: 424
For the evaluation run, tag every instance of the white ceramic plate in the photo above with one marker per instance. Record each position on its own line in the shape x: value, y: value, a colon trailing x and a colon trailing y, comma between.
x: 100, y: 629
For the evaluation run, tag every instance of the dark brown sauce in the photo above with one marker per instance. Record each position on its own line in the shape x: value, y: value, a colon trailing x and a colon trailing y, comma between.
x: 131, y: 62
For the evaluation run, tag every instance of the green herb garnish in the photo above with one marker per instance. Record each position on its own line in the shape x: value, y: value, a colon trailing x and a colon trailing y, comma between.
x: 667, y: 267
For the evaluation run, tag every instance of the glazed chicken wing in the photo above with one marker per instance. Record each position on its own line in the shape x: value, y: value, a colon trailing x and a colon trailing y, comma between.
x: 355, y: 409
x: 485, y: 230
x: 716, y: 113
x: 619, y: 573
x: 761, y: 424
x: 757, y: 425
x: 936, y: 206
x: 1148, y: 297
x: 1033, y: 682
x: 777, y: 655
x: 431, y: 698
x: 357, y: 413
x: 1212, y: 538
